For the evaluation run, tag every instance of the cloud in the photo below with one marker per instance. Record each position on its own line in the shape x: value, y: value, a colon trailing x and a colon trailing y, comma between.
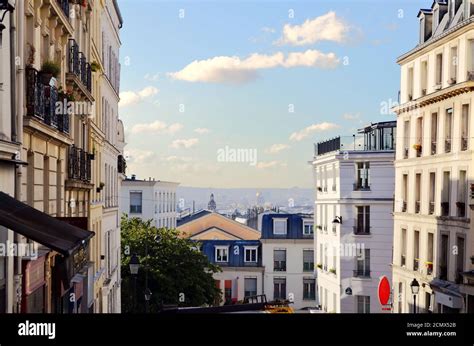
x: 268, y: 30
x: 300, y: 135
x: 327, y: 27
x: 156, y: 127
x: 202, y: 130
x: 276, y: 148
x: 270, y: 164
x: 351, y: 116
x: 128, y: 98
x: 184, y: 143
x: 138, y: 156
x: 234, y: 70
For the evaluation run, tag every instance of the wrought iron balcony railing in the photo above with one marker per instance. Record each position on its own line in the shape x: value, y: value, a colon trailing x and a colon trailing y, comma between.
x: 41, y: 101
x: 433, y: 148
x: 78, y: 65
x: 447, y: 145
x: 417, y: 207
x: 79, y: 164
x: 464, y: 143
x: 121, y: 164
x: 431, y: 208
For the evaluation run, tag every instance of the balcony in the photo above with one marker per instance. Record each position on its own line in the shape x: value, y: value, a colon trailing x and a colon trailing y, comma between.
x: 429, y: 268
x: 121, y: 164
x: 78, y: 67
x: 461, y: 209
x: 444, y: 208
x: 405, y: 153
x: 361, y: 230
x: 41, y: 102
x: 417, y: 207
x: 403, y: 260
x: 464, y: 143
x: 404, y: 207
x: 361, y: 273
x: 447, y: 145
x: 431, y: 208
x: 79, y: 164
x: 433, y: 148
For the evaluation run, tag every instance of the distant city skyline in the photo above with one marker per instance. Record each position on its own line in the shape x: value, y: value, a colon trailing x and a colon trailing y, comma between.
x: 234, y: 94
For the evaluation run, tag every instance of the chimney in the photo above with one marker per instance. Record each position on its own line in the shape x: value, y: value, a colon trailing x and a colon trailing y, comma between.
x: 133, y: 176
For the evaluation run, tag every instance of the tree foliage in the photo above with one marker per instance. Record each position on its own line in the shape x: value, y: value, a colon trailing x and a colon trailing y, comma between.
x: 178, y: 273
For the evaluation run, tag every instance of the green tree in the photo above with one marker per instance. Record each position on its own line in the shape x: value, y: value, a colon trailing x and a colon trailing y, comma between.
x: 178, y: 273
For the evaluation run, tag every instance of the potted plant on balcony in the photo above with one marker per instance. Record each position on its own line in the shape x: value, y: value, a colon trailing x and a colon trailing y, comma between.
x: 417, y: 147
x: 95, y: 66
x: 100, y: 187
x: 429, y: 266
x: 319, y: 266
x: 332, y: 271
x: 49, y: 69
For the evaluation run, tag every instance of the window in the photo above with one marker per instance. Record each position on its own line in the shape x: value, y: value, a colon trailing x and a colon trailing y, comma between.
x: 279, y: 226
x: 279, y: 260
x: 434, y: 132
x: 461, y: 201
x: 404, y: 192
x: 453, y: 66
x: 362, y: 263
x: 443, y: 259
x: 308, y: 227
x: 406, y: 138
x: 429, y: 262
x: 363, y: 220
x: 416, y: 251
x: 279, y: 288
x: 222, y: 253
x: 448, y: 128
x: 403, y: 257
x: 250, y: 254
x: 363, y: 304
x: 459, y: 259
x: 439, y: 69
x: 465, y: 127
x: 135, y: 202
x: 250, y: 287
x: 432, y: 193
x: 424, y: 77
x: 363, y: 176
x: 309, y: 289
x: 446, y: 194
x: 308, y: 260
x: 410, y: 84
x: 417, y: 193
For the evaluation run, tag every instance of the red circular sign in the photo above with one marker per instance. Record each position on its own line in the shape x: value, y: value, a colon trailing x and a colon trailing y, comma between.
x: 384, y: 290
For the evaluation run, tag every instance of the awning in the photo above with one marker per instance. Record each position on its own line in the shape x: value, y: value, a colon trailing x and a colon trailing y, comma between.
x: 447, y: 293
x: 40, y: 227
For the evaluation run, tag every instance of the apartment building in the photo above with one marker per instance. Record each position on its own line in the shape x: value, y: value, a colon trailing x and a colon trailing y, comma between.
x: 433, y: 239
x: 353, y: 218
x: 150, y: 200
x: 288, y: 259
x: 231, y: 245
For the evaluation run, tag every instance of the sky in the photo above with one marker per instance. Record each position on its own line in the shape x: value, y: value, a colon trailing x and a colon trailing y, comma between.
x: 235, y: 93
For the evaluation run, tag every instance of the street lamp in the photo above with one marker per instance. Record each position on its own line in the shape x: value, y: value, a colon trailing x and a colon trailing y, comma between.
x: 415, y: 288
x: 134, y: 266
x: 337, y: 219
x: 6, y: 7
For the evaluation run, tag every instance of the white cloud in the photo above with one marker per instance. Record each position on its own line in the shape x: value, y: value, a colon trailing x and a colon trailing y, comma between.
x: 138, y: 156
x: 233, y: 69
x: 300, y: 135
x: 202, y: 130
x: 156, y: 127
x: 270, y: 164
x: 184, y: 143
x: 128, y: 98
x: 328, y: 27
x: 276, y: 148
x: 268, y: 30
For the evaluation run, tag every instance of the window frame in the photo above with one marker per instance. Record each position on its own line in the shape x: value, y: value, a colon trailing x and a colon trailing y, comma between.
x: 221, y: 247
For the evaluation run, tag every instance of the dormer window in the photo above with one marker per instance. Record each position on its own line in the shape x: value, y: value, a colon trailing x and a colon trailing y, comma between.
x: 435, y: 19
x: 422, y: 29
x: 279, y: 226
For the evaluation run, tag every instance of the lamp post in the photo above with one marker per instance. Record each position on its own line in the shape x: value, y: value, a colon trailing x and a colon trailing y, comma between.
x: 134, y: 266
x: 415, y: 288
x: 6, y: 7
